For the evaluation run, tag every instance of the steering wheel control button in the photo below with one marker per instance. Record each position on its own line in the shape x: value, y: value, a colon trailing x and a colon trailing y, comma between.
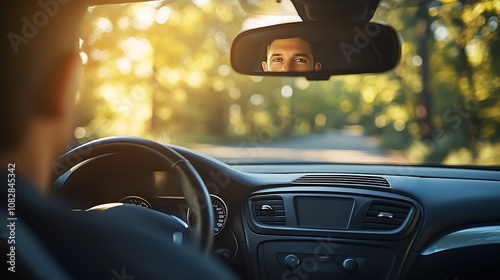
x: 350, y: 265
x: 292, y: 261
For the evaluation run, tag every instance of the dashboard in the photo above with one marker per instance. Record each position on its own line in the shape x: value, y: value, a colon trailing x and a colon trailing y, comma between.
x: 319, y: 221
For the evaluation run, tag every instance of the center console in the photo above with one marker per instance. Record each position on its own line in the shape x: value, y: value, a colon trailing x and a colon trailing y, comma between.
x: 328, y: 232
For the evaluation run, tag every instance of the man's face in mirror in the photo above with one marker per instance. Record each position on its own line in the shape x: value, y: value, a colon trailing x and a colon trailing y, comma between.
x: 290, y: 55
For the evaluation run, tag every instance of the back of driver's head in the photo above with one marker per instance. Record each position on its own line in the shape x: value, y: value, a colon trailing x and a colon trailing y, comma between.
x: 35, y: 34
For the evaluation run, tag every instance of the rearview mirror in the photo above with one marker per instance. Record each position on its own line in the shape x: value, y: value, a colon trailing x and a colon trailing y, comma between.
x: 316, y: 50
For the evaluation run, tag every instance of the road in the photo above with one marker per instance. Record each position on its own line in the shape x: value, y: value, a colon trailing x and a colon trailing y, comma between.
x: 345, y: 146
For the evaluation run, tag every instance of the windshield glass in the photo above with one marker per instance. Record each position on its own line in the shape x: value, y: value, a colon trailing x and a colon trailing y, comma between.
x: 161, y: 70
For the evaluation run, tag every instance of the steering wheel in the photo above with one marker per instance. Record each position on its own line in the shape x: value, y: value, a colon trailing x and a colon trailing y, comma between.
x: 193, y: 187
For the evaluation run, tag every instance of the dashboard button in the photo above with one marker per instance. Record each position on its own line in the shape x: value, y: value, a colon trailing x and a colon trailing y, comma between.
x: 350, y: 265
x: 292, y: 261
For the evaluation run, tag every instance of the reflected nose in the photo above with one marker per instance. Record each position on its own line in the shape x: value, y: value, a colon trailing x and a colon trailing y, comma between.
x: 286, y: 66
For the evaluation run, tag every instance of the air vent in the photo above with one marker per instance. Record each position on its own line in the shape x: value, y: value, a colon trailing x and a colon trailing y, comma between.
x: 343, y: 180
x: 386, y: 215
x: 269, y: 210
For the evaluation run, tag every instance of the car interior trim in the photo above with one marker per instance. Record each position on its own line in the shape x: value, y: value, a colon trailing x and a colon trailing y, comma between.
x: 476, y: 236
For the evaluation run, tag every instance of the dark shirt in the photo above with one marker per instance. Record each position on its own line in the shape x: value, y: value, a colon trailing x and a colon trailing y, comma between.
x: 122, y: 245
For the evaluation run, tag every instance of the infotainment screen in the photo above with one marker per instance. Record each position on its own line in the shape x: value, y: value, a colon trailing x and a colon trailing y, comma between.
x: 324, y: 212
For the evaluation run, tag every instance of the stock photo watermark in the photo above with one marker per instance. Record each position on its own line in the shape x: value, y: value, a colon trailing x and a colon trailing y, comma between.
x: 61, y: 166
x: 31, y: 26
x: 361, y: 41
x: 122, y: 275
x: 11, y: 218
x: 453, y: 118
x: 310, y: 264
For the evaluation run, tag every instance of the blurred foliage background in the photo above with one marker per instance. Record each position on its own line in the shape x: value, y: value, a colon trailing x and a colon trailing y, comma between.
x: 162, y: 71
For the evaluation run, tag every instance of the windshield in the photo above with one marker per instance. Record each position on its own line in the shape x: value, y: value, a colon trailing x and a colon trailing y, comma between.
x: 161, y: 70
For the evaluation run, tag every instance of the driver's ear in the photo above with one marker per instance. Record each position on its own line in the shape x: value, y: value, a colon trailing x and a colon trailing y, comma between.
x: 317, y: 66
x: 58, y: 92
x: 264, y: 66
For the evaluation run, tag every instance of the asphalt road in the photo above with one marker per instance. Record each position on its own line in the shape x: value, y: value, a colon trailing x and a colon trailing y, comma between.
x: 340, y: 146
